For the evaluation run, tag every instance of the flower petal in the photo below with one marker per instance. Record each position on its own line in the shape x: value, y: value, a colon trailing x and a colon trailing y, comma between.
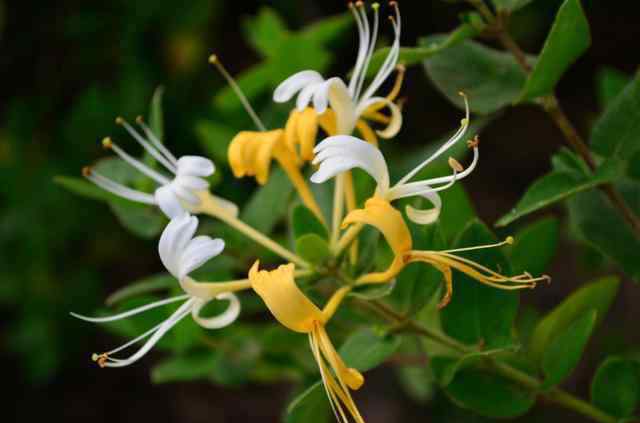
x: 195, y: 166
x: 173, y: 241
x: 290, y: 86
x: 225, y: 319
x: 395, y: 122
x: 426, y: 216
x: 342, y: 152
x: 168, y: 201
x: 198, y: 251
x: 343, y: 106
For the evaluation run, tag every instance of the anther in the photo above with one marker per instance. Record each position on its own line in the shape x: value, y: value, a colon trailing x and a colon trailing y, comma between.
x: 393, y: 3
x: 359, y: 3
x: 107, y: 143
x: 474, y: 142
x: 139, y: 120
x: 119, y: 120
x: 213, y: 59
x: 509, y: 240
x: 86, y: 171
x: 101, y: 359
x: 455, y: 165
x: 375, y: 6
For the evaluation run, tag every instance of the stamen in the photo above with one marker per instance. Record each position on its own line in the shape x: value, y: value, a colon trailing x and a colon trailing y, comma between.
x: 166, y: 161
x: 455, y: 165
x: 508, y: 241
x: 101, y: 359
x: 156, y: 142
x: 135, y: 163
x: 474, y: 142
x: 214, y: 60
x: 369, y: 54
x: 116, y: 188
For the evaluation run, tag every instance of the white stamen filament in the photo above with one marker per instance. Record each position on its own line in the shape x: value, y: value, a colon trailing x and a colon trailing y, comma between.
x: 141, y: 167
x: 132, y: 312
x: 362, y: 50
x: 169, y: 161
x: 372, y: 44
x: 454, y: 139
x: 213, y: 59
x: 119, y: 189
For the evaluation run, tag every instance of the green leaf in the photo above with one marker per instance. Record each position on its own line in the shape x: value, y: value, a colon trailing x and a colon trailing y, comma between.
x: 615, y: 388
x: 602, y: 226
x: 610, y: 82
x: 535, y: 246
x: 510, y: 5
x: 156, y: 122
x: 303, y: 221
x: 445, y: 368
x: 564, y: 352
x: 365, y: 349
x: 253, y: 83
x: 490, y: 78
x: 374, y: 292
x: 414, y: 55
x: 479, y: 313
x: 597, y: 295
x: 489, y: 394
x: 141, y: 220
x: 183, y: 368
x: 327, y: 31
x: 144, y: 286
x: 269, y: 203
x: 311, y: 405
x: 617, y: 132
x: 569, y: 39
x: 313, y: 248
x: 265, y: 31
x: 558, y: 185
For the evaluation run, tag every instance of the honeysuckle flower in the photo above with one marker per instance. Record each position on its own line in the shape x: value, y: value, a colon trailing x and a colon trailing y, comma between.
x: 381, y: 215
x: 294, y: 310
x: 340, y: 153
x: 251, y: 152
x: 353, y: 104
x: 176, y: 194
x: 181, y: 254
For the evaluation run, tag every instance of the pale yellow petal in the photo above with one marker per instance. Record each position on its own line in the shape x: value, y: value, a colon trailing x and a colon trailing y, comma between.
x: 287, y: 303
x: 367, y: 133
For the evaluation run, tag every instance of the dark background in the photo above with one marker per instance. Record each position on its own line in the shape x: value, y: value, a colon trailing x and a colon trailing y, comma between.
x: 69, y: 67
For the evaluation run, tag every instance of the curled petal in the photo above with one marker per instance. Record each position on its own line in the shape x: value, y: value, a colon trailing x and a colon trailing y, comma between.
x: 174, y: 240
x: 168, y: 201
x: 306, y: 94
x: 195, y: 166
x: 199, y: 250
x: 290, y: 86
x: 343, y: 152
x: 428, y: 216
x: 225, y: 319
x: 395, y: 121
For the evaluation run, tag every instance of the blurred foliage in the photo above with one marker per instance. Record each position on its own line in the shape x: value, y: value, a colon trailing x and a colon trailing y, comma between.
x: 51, y: 234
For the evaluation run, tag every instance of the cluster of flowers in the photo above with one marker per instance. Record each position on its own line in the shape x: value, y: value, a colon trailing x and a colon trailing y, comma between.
x: 338, y: 109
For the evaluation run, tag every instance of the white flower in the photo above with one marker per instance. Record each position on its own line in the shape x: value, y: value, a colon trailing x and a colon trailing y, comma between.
x: 343, y: 152
x: 181, y: 254
x: 175, y: 195
x: 350, y: 102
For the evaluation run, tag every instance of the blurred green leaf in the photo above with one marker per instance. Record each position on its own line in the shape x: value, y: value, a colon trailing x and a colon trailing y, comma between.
x: 414, y: 55
x: 489, y: 394
x: 265, y: 31
x: 563, y: 354
x: 596, y: 295
x: 479, y: 313
x: 268, y: 205
x: 313, y: 248
x: 510, y: 5
x: 215, y: 139
x: 303, y: 222
x: 602, y: 226
x: 617, y: 132
x: 365, y: 349
x: 373, y: 292
x: 156, y: 120
x: 535, y: 246
x: 183, y: 368
x: 569, y: 39
x: 558, y: 185
x: 310, y: 405
x: 610, y: 82
x: 491, y: 79
x: 327, y: 30
x: 144, y: 286
x: 615, y: 388
x: 141, y: 220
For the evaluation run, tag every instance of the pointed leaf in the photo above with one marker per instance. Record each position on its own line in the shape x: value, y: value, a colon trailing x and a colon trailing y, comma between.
x: 365, y: 349
x: 535, y: 246
x: 313, y: 248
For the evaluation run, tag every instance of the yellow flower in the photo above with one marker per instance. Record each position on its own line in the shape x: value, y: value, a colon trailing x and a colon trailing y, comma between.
x: 380, y: 214
x: 251, y: 152
x: 294, y: 310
